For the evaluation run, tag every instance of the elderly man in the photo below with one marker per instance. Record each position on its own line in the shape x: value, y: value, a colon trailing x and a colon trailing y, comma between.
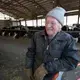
x: 51, y: 51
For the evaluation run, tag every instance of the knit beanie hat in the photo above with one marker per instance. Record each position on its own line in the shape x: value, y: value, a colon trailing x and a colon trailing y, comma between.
x: 58, y: 14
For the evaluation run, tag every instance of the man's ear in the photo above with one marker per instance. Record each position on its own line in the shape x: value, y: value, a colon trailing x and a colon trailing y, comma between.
x: 60, y: 27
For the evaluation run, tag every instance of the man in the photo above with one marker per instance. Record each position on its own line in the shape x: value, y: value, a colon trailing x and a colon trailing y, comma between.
x: 51, y: 51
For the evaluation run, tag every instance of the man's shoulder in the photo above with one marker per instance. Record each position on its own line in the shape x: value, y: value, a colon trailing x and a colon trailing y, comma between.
x: 65, y: 35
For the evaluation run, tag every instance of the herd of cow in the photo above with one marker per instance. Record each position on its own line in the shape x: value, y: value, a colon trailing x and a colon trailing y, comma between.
x: 21, y: 31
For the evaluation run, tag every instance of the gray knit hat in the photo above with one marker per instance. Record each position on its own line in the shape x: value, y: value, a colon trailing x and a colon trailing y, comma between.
x: 57, y: 13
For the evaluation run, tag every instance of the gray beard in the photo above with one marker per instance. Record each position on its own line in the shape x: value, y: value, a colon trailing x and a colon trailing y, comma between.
x: 51, y: 37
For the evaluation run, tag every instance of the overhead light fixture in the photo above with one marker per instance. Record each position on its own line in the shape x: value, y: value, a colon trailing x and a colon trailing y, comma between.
x: 72, y: 11
x: 40, y: 16
x: 53, y: 1
x: 21, y: 18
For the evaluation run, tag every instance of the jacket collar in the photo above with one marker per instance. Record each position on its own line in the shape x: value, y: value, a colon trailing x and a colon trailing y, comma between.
x: 59, y: 36
x: 43, y: 33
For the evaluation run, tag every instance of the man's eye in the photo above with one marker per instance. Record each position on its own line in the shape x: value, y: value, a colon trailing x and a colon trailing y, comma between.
x: 53, y: 23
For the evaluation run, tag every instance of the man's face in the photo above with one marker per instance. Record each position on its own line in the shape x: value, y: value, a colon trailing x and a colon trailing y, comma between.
x: 52, y: 26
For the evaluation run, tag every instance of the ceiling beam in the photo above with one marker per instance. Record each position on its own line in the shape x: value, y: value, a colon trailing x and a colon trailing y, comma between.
x: 57, y: 3
x: 37, y: 4
x: 10, y: 7
x: 9, y: 11
x: 21, y: 5
x: 70, y: 3
x: 72, y: 13
x: 71, y: 8
x: 64, y: 2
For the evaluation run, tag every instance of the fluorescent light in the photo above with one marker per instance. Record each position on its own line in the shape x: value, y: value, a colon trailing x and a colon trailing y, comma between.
x: 21, y: 19
x: 40, y: 16
x: 72, y: 11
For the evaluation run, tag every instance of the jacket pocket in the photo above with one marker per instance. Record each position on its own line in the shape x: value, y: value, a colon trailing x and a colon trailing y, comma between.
x: 55, y: 53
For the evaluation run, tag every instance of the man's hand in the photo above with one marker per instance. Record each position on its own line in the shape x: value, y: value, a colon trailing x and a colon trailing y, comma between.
x: 40, y: 72
x: 28, y: 73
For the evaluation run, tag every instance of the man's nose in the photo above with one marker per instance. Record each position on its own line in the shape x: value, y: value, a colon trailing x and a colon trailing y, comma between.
x: 49, y: 25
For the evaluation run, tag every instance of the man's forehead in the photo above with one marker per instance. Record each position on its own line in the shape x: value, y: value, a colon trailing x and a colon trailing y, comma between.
x: 51, y: 19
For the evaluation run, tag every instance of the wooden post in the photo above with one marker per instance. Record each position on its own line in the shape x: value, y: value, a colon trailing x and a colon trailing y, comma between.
x: 79, y: 12
x: 66, y: 20
x: 25, y: 23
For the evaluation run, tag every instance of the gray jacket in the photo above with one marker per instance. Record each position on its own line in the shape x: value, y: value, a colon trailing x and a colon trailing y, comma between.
x: 60, y: 54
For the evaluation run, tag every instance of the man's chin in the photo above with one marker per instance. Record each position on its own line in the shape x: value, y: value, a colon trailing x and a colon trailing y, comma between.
x: 50, y: 34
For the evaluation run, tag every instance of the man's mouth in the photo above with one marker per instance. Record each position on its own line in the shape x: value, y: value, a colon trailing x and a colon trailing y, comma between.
x: 50, y: 29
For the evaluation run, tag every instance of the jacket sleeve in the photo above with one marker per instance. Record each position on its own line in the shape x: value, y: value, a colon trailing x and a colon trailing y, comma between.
x: 68, y: 61
x: 30, y: 54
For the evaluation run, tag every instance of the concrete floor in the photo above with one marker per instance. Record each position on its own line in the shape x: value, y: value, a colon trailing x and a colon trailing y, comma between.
x: 12, y: 58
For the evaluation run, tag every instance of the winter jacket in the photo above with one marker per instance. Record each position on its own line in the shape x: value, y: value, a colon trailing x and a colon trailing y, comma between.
x: 59, y: 54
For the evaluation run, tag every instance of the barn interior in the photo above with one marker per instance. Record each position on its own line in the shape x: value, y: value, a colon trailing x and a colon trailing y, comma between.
x: 19, y: 20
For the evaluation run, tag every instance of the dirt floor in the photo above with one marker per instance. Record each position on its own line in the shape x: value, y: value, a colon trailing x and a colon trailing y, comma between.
x: 12, y: 58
